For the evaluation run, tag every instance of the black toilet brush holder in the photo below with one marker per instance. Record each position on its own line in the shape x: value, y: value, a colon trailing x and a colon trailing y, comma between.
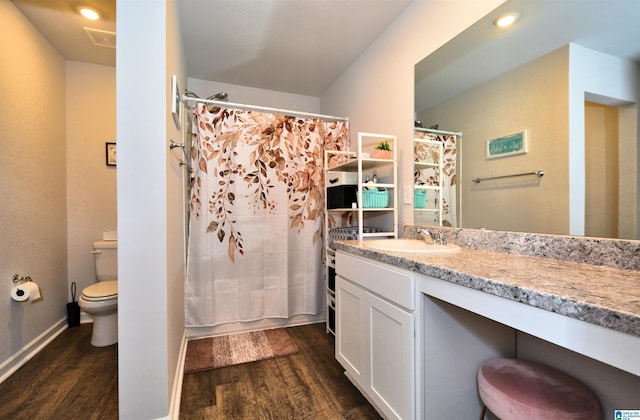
x: 73, y: 309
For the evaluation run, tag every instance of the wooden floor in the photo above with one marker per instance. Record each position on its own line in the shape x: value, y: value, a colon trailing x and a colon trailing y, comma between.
x: 71, y: 379
x: 68, y: 379
x: 307, y: 385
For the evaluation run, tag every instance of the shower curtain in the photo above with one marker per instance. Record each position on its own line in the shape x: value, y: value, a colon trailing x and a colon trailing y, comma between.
x: 429, y: 176
x: 256, y: 215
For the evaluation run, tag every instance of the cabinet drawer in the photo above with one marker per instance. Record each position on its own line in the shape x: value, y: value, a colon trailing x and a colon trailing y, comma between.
x: 384, y: 280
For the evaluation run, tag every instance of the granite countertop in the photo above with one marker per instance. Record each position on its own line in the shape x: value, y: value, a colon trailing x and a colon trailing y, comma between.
x: 605, y: 296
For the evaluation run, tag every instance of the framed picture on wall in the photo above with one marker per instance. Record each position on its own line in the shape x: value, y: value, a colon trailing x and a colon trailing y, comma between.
x: 111, y: 154
x: 176, y: 103
x: 513, y: 144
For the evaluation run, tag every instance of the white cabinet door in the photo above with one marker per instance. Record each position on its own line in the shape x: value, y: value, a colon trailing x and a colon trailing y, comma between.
x: 375, y: 345
x: 350, y: 340
x: 390, y: 346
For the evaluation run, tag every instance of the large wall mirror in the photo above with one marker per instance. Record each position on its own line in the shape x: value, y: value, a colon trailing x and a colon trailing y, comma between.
x: 556, y: 92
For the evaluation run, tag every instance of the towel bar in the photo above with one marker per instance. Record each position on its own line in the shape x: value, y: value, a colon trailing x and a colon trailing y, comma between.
x: 537, y: 173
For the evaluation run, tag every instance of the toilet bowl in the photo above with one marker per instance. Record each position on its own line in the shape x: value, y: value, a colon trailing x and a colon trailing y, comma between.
x: 100, y: 300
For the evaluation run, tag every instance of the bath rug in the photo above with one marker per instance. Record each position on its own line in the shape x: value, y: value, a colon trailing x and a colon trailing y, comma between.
x: 234, y: 349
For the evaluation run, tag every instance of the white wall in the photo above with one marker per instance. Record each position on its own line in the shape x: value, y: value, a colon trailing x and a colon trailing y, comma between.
x: 33, y: 223
x: 91, y: 184
x: 150, y: 222
x: 376, y: 91
x: 254, y: 96
x: 141, y: 83
x: 615, y: 389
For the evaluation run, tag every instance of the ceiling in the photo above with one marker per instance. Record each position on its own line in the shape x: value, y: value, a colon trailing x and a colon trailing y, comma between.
x: 58, y: 21
x: 293, y: 46
x: 482, y: 51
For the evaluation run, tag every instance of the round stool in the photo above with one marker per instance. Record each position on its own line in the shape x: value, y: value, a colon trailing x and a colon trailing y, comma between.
x: 517, y: 389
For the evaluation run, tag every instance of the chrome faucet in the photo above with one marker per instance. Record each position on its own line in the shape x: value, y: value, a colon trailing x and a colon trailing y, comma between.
x: 428, y: 237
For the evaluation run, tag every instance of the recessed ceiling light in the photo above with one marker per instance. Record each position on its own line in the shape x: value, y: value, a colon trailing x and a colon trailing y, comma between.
x: 506, y: 20
x: 88, y: 12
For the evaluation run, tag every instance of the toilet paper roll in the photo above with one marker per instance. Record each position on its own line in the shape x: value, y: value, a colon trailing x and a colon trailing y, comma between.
x: 25, y: 291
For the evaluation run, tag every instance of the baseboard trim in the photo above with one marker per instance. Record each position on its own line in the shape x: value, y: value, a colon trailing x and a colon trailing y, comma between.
x: 176, y: 393
x: 22, y: 356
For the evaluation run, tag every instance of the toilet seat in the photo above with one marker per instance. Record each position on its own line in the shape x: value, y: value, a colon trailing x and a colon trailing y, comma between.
x: 105, y: 290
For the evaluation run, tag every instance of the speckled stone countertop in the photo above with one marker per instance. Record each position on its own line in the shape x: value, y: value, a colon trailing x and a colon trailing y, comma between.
x: 598, y: 294
x: 616, y: 253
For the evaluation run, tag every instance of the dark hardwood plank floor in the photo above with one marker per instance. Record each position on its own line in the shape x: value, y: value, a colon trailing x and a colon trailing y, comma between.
x: 68, y: 379
x: 307, y: 385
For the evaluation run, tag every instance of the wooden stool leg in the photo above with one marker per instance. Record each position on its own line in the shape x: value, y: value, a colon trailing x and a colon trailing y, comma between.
x: 484, y: 411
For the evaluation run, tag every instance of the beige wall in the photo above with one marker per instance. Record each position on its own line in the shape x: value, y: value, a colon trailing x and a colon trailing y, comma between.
x: 91, y: 184
x: 601, y: 170
x: 543, y: 97
x: 628, y: 164
x: 611, y: 80
x: 59, y: 195
x: 532, y: 97
x: 33, y: 229
x: 611, y: 153
x: 176, y: 236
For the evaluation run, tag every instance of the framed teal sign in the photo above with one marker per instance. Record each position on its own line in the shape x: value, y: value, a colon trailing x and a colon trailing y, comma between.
x: 513, y: 144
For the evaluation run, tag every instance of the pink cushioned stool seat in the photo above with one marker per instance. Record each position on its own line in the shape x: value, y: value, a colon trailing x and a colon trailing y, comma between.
x: 517, y: 389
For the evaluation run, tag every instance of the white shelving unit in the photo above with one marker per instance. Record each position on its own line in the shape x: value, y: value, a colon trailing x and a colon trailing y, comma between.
x: 384, y: 219
x: 434, y: 162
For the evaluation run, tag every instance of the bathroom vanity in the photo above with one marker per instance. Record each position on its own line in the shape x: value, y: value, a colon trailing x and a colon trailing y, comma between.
x: 375, y: 340
x: 413, y: 329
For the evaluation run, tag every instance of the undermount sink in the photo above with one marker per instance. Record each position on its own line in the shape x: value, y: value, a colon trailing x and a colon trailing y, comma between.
x: 413, y: 246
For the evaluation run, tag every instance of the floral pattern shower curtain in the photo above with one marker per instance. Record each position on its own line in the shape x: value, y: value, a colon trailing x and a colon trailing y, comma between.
x: 429, y: 176
x: 257, y: 207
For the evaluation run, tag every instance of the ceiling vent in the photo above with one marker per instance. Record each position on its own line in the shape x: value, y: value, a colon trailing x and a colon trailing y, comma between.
x: 101, y: 38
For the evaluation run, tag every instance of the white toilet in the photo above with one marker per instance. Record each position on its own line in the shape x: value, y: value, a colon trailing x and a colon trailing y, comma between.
x: 100, y: 300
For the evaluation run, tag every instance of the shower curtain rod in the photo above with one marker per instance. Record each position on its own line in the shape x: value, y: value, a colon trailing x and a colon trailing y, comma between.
x: 263, y: 109
x: 432, y: 131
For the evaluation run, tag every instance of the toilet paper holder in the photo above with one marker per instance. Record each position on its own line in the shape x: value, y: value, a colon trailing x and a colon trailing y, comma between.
x: 18, y: 278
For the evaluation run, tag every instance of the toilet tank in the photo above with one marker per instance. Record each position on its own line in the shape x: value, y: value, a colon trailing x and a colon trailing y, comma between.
x: 105, y: 255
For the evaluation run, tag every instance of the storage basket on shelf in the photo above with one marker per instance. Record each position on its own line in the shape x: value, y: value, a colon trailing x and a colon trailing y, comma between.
x: 348, y: 233
x: 375, y: 198
x: 419, y: 199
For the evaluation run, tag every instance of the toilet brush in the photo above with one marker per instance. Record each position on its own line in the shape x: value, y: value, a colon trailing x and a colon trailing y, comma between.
x: 73, y: 309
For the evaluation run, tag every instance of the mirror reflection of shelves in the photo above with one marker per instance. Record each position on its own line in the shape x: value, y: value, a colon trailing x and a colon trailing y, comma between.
x: 428, y: 180
x: 436, y: 195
